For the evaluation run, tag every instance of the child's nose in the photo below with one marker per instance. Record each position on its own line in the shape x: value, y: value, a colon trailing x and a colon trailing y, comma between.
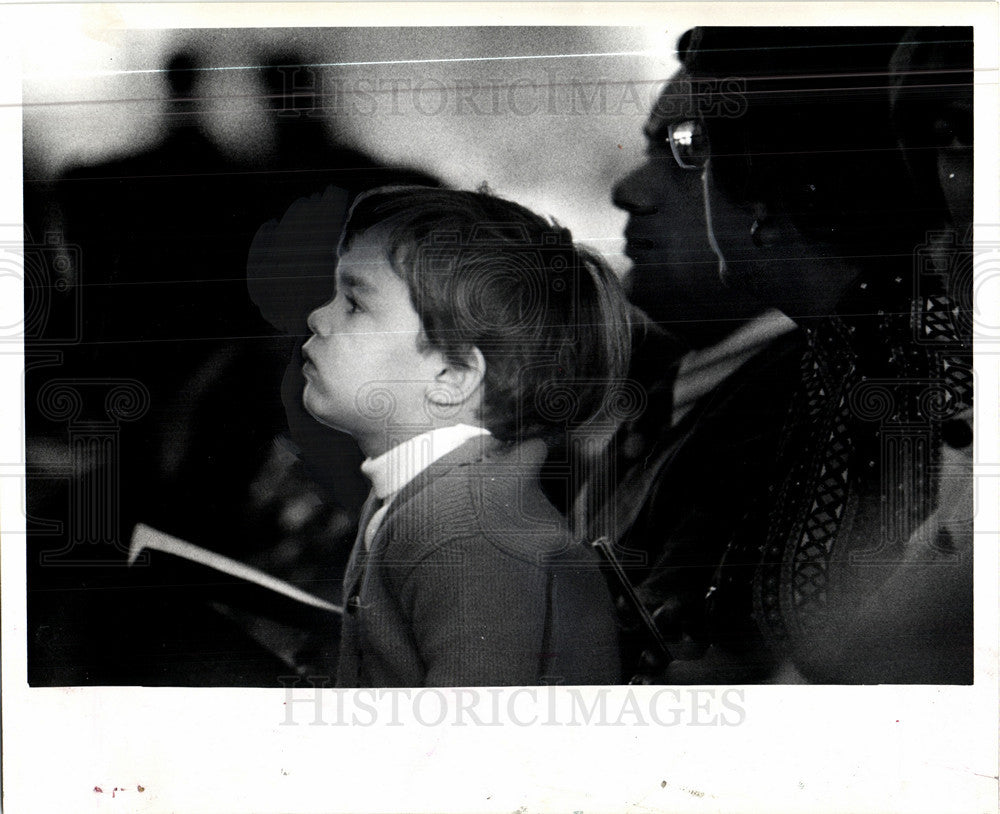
x: 313, y: 321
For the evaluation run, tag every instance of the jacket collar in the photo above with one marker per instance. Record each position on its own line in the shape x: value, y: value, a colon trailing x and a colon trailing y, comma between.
x: 526, y: 457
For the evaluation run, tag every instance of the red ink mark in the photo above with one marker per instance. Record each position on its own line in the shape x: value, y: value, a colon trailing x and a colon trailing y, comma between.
x: 98, y: 789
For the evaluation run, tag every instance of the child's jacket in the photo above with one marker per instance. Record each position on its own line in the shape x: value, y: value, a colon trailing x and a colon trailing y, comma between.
x: 473, y: 579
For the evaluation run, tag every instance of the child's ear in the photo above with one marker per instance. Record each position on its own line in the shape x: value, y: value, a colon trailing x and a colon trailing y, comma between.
x: 458, y: 382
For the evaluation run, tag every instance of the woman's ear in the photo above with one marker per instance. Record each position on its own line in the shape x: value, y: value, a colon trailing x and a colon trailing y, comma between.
x: 458, y: 382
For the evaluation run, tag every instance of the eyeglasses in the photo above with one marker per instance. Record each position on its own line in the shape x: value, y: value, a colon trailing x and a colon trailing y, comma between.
x: 689, y: 144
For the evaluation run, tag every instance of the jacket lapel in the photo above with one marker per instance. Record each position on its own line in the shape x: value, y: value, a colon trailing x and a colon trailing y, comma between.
x: 472, y: 451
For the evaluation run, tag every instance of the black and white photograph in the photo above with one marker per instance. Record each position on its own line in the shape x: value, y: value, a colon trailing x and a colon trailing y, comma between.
x: 456, y: 407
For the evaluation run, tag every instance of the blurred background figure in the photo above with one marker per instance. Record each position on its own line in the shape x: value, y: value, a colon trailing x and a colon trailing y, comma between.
x: 164, y: 237
x: 814, y: 206
x: 206, y: 454
x: 305, y: 149
x: 166, y: 316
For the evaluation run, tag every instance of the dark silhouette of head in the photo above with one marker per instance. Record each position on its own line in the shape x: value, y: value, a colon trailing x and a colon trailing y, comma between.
x: 290, y: 83
x: 182, y: 73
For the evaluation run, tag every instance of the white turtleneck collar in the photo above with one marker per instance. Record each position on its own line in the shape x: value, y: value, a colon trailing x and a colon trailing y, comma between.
x: 392, y: 470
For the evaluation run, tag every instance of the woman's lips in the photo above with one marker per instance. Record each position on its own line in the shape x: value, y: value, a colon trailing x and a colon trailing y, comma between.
x: 636, y: 245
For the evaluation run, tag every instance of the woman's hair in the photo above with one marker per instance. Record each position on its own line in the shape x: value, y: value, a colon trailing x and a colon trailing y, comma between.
x: 814, y: 139
x: 549, y: 317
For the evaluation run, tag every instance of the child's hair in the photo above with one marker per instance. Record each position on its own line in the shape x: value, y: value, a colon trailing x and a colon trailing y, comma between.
x: 549, y: 317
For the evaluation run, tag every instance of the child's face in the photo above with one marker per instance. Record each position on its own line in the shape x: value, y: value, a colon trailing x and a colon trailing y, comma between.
x: 364, y: 371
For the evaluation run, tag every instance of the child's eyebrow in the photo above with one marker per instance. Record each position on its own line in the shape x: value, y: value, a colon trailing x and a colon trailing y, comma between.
x: 352, y: 281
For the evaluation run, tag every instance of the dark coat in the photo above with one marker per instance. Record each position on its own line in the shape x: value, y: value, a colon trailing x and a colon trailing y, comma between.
x: 684, y: 491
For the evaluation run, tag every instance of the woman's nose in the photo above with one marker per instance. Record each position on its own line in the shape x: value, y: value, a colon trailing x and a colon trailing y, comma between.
x: 634, y: 193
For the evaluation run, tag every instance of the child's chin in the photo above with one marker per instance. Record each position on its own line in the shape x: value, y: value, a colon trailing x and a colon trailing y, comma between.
x: 314, y: 409
x: 332, y: 422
